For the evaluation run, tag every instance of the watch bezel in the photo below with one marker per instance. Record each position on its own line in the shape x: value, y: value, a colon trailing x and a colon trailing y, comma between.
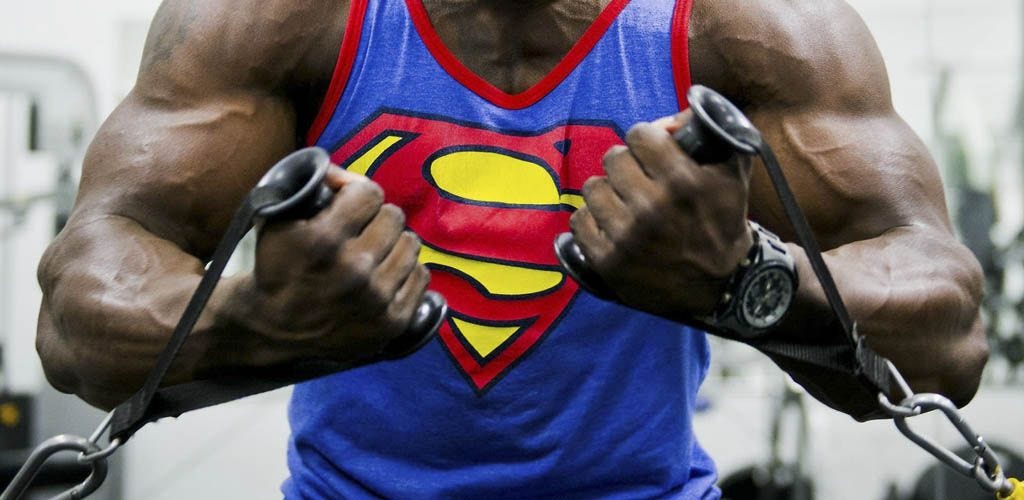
x: 756, y: 272
x: 767, y: 253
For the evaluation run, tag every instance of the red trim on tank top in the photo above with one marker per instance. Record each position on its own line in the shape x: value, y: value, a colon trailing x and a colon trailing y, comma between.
x: 342, y: 69
x: 681, y: 50
x: 496, y: 96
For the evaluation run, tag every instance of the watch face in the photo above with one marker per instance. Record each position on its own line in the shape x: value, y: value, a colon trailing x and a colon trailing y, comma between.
x: 767, y: 297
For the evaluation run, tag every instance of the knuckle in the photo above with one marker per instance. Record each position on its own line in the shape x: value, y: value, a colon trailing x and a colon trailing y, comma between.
x: 404, y: 249
x: 613, y: 153
x: 410, y: 240
x: 592, y: 184
x: 320, y: 245
x: 646, y: 207
x: 628, y: 226
x: 394, y: 213
x: 577, y: 218
x: 321, y: 235
x: 376, y: 190
x: 679, y: 182
x: 423, y: 275
x: 617, y: 233
x: 371, y: 192
x: 637, y: 133
x: 359, y: 266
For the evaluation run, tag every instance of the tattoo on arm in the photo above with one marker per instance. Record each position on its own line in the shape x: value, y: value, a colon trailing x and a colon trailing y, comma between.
x: 170, y: 28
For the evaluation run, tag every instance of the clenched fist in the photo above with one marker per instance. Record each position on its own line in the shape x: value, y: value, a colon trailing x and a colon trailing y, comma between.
x: 340, y: 285
x: 664, y: 232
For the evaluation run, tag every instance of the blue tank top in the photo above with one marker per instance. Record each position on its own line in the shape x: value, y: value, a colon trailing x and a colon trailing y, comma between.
x: 533, y: 387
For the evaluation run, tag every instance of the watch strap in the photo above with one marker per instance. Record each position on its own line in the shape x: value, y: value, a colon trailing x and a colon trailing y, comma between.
x: 768, y: 249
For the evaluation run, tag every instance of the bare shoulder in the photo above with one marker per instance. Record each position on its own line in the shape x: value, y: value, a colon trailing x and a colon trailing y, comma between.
x: 209, y: 45
x: 224, y: 90
x: 765, y: 52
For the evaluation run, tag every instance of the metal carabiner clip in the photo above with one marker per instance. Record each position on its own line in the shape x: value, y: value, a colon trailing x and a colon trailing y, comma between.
x: 89, y: 453
x: 100, y: 454
x: 65, y: 442
x: 985, y: 469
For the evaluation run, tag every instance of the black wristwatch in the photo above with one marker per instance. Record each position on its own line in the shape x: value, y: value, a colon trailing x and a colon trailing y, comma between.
x: 760, y: 291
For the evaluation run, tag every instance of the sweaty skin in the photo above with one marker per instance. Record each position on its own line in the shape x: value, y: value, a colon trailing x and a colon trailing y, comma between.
x: 223, y: 92
x: 226, y: 89
x: 865, y: 181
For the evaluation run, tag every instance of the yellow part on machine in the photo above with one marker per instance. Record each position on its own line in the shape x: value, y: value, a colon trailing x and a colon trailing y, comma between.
x: 1016, y: 494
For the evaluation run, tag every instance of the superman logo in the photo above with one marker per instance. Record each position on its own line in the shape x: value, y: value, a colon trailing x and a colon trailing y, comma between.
x: 487, y: 205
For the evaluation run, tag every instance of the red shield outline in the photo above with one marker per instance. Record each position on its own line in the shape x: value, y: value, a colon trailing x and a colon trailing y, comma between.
x: 397, y: 149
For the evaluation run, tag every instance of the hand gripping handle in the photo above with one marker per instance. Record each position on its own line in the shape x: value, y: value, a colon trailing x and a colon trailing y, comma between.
x: 717, y: 131
x: 298, y: 181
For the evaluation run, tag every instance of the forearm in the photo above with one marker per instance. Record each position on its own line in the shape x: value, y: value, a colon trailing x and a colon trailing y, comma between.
x: 109, y: 310
x: 914, y: 293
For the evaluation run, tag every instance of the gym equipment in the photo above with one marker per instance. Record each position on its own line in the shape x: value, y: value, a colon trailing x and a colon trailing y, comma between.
x: 717, y: 131
x: 294, y: 188
x: 779, y: 479
x: 941, y: 482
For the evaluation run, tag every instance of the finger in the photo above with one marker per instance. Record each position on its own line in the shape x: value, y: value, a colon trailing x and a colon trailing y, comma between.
x: 409, y: 296
x: 379, y: 237
x: 401, y: 261
x: 609, y: 212
x: 588, y: 236
x: 658, y: 153
x: 625, y: 175
x: 352, y: 208
x: 338, y: 177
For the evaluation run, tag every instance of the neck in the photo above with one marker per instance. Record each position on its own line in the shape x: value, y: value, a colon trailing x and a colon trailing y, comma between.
x: 511, y: 43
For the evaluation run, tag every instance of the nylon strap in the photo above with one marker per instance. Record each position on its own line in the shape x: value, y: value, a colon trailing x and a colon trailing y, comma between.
x: 172, y: 401
x: 144, y: 406
x: 851, y: 355
x: 153, y: 402
x: 805, y: 236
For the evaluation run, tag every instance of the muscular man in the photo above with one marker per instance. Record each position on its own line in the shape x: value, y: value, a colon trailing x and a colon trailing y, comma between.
x: 484, y: 120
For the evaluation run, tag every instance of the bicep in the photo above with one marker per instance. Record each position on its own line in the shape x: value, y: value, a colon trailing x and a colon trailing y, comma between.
x: 855, y: 165
x: 180, y: 168
x: 809, y: 75
x: 856, y: 174
x: 159, y: 185
x: 204, y: 120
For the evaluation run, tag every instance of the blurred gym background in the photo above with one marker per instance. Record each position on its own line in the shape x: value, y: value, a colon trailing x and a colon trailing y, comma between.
x: 956, y: 75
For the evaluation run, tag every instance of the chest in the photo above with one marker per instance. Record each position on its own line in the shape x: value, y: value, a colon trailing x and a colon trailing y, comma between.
x: 512, y: 44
